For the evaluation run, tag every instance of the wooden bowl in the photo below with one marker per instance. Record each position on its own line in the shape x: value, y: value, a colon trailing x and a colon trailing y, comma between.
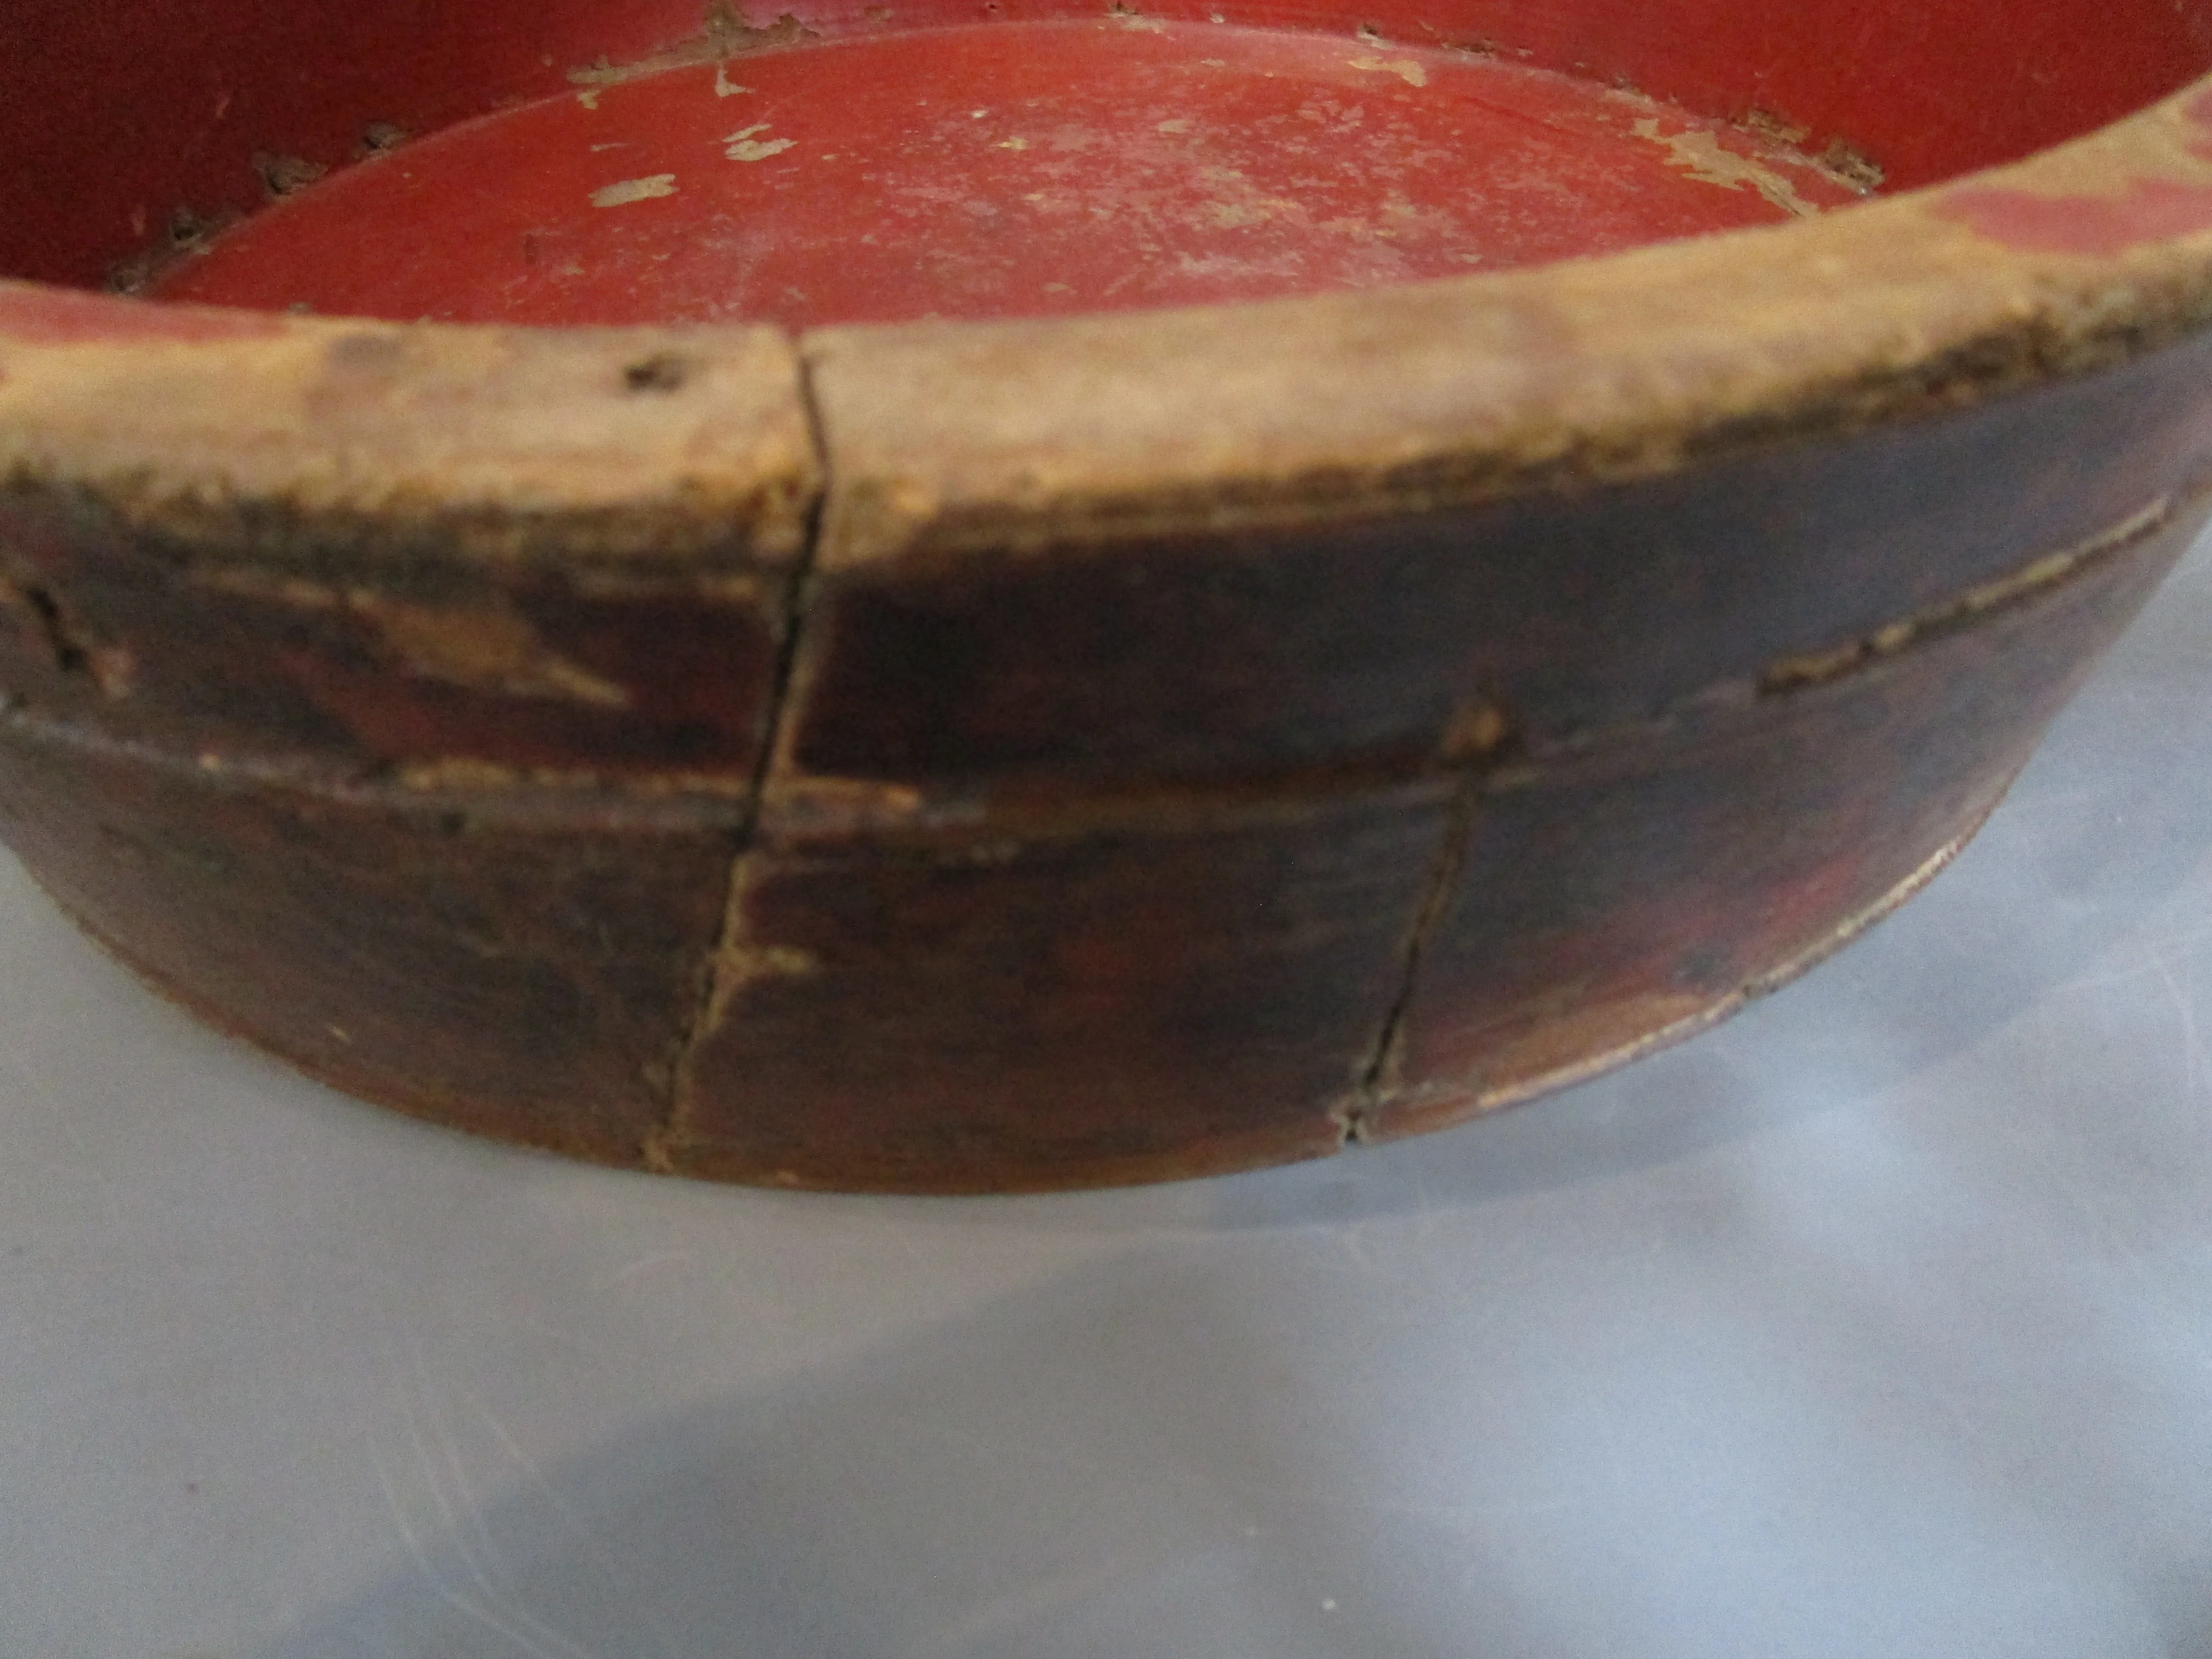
x: 785, y: 657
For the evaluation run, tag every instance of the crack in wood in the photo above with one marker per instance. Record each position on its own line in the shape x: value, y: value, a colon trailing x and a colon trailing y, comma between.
x: 735, y: 962
x: 73, y: 653
x: 1378, y: 1074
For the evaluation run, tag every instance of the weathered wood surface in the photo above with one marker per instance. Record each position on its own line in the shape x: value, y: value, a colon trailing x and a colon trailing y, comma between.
x: 1027, y: 755
x: 1259, y: 897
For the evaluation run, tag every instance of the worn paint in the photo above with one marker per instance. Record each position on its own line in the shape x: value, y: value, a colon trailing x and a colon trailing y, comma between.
x: 743, y: 146
x: 487, y: 650
x: 2134, y: 214
x: 1107, y: 170
x: 1698, y: 152
x: 648, y: 189
x: 738, y: 962
x: 53, y: 316
x: 1814, y: 668
x: 1408, y: 70
x: 726, y: 35
x: 285, y: 175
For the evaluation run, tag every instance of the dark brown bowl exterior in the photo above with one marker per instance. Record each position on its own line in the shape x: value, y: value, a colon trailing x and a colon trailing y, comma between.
x: 1034, y: 755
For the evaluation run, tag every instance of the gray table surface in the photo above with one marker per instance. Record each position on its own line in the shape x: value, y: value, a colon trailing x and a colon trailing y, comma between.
x: 1877, y: 1322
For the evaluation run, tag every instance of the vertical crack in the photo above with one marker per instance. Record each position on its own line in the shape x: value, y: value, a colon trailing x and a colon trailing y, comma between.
x: 70, y: 655
x: 730, y: 965
x: 73, y: 654
x: 1378, y: 1075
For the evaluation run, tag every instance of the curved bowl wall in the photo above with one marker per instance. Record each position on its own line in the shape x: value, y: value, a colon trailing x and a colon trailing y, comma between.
x: 1034, y: 752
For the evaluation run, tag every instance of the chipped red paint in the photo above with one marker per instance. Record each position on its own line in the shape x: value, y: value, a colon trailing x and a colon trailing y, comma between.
x: 1003, y: 170
x: 2095, y: 226
x: 181, y: 95
x: 42, y: 316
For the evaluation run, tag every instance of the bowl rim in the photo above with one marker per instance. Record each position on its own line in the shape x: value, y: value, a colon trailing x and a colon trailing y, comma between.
x: 933, y: 441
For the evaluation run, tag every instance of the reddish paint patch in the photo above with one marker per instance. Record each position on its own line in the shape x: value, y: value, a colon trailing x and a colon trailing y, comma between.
x: 2094, y: 227
x: 40, y: 316
x: 1008, y: 170
x: 115, y: 112
x: 2199, y: 110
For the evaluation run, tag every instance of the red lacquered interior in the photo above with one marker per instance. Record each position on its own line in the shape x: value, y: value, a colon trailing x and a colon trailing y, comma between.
x: 1001, y: 170
x: 986, y: 157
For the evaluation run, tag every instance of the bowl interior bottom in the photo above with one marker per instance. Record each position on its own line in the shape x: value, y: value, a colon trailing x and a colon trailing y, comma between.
x: 1010, y: 169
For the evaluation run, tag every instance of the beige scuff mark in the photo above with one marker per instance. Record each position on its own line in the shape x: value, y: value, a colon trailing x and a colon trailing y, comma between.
x: 1700, y: 154
x: 743, y: 146
x: 1235, y: 215
x: 487, y: 651
x: 479, y: 648
x: 739, y: 961
x: 1405, y: 69
x: 1286, y: 263
x: 834, y: 805
x: 725, y: 87
x: 1860, y: 171
x: 285, y: 175
x: 1130, y: 18
x: 589, y: 97
x: 1419, y: 221
x: 296, y: 591
x: 726, y: 35
x: 743, y: 964
x: 1479, y: 729
x: 489, y: 777
x: 1819, y: 667
x: 113, y: 668
x: 634, y: 189
x: 1780, y: 129
x: 1234, y: 202
x: 478, y: 776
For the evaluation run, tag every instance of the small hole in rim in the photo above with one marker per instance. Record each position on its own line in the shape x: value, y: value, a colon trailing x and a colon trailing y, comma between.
x: 665, y: 373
